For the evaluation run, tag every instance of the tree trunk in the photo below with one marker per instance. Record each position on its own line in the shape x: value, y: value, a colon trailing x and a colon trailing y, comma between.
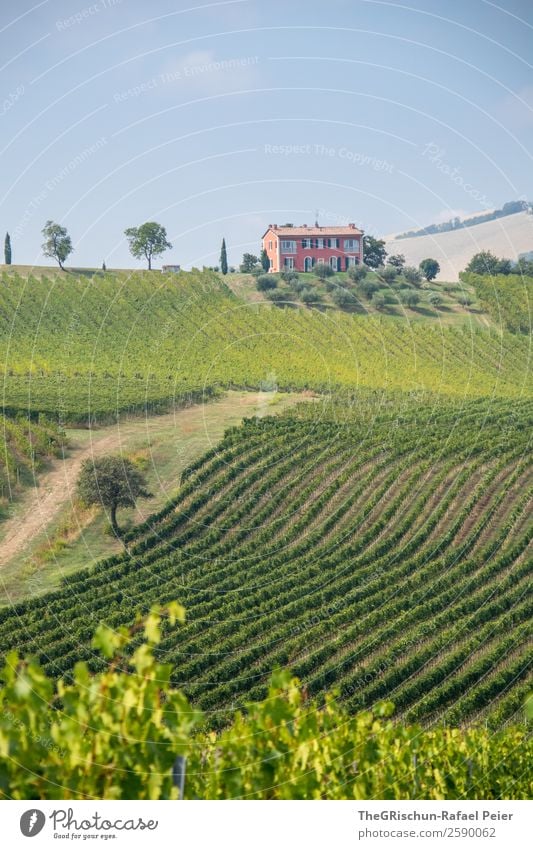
x: 149, y: 263
x: 114, y: 525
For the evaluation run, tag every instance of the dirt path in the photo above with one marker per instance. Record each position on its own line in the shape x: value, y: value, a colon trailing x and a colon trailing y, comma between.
x: 195, y: 429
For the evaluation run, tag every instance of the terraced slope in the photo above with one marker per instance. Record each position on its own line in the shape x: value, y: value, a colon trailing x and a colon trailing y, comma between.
x: 91, y: 347
x: 508, y: 298
x: 384, y: 548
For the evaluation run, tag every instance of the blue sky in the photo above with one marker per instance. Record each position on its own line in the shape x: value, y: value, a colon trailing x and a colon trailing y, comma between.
x: 219, y: 118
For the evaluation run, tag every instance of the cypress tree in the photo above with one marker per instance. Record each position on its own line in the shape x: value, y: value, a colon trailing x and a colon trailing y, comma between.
x: 7, y: 250
x: 223, y: 258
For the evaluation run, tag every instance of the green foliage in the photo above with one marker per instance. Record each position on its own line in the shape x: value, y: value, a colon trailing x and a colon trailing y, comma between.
x: 290, y: 748
x: 249, y: 263
x: 7, y: 249
x: 289, y: 276
x: 409, y: 298
x: 113, y: 735
x: 434, y: 299
x: 369, y: 288
x: 266, y: 282
x: 323, y: 270
x: 223, y: 258
x: 57, y: 243
x: 264, y: 260
x: 343, y: 298
x: 148, y: 241
x: 508, y: 300
x: 388, y: 273
x: 396, y: 260
x: 486, y: 262
x: 310, y: 296
x: 357, y: 272
x: 374, y: 251
x: 429, y: 268
x: 27, y: 445
x: 113, y: 482
x: 412, y: 275
x: 379, y: 300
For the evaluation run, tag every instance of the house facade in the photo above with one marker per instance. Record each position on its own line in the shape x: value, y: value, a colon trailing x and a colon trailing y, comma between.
x: 302, y: 248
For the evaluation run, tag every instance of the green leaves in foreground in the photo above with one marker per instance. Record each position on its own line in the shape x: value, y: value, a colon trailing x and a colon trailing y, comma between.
x: 115, y: 735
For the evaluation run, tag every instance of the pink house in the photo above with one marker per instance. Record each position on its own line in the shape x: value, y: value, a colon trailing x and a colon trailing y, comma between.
x: 301, y: 248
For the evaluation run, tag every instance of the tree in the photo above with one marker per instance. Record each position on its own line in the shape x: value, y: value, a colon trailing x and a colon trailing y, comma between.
x: 412, y: 275
x: 148, y: 240
x: 429, y: 268
x: 389, y: 273
x: 357, y: 272
x: 378, y: 299
x: 266, y: 281
x: 104, y: 266
x: 369, y: 288
x: 223, y: 258
x: 57, y: 243
x: 112, y: 481
x: 396, y: 260
x: 323, y: 270
x: 264, y: 260
x: 409, y: 298
x: 249, y: 263
x: 343, y: 298
x: 434, y: 299
x: 7, y: 250
x: 484, y: 262
x: 374, y: 251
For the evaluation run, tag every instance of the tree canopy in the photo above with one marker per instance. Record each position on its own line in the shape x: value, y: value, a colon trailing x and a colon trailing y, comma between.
x: 148, y: 240
x: 374, y: 251
x: 429, y: 268
x: 112, y: 481
x: 57, y: 242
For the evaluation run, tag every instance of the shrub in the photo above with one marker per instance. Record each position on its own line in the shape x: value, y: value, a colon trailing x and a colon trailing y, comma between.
x: 323, y: 270
x: 289, y: 276
x: 412, y: 275
x: 378, y: 300
x: 308, y: 296
x: 369, y: 288
x: 358, y: 272
x: 465, y: 300
x: 278, y: 297
x: 434, y: 299
x: 409, y: 298
x: 266, y: 282
x: 389, y: 273
x: 343, y: 298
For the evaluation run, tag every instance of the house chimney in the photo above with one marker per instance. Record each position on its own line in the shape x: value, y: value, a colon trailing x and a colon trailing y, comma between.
x: 352, y: 226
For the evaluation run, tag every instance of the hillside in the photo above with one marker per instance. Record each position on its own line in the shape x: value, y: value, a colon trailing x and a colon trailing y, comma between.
x: 508, y: 299
x: 90, y: 348
x: 506, y: 237
x: 379, y: 544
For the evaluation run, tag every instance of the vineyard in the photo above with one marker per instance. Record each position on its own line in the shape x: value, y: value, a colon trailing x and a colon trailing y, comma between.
x: 379, y: 544
x: 508, y: 298
x: 27, y: 445
x: 88, y: 348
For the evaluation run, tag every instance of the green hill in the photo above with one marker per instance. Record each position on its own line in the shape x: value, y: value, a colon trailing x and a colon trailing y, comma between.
x: 379, y: 544
x: 508, y: 298
x: 90, y: 347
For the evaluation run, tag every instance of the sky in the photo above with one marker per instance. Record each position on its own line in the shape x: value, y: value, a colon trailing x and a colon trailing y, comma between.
x: 217, y: 119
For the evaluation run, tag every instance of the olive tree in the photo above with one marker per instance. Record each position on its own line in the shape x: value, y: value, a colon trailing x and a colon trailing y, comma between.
x: 111, y: 481
x: 148, y: 240
x: 57, y: 242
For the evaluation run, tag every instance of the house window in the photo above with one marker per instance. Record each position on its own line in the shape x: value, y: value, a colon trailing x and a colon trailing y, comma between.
x: 333, y: 243
x: 320, y: 243
x: 288, y: 247
x: 351, y: 244
x: 351, y: 261
x: 320, y: 261
x: 333, y: 261
x: 270, y: 246
x: 288, y: 262
x: 306, y: 243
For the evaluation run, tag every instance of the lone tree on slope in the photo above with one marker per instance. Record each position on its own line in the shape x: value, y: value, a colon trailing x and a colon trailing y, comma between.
x: 223, y: 258
x: 429, y: 268
x: 112, y: 482
x: 7, y: 250
x: 148, y: 240
x: 57, y: 243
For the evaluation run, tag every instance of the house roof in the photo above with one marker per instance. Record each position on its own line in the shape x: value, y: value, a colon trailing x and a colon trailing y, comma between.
x: 345, y: 230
